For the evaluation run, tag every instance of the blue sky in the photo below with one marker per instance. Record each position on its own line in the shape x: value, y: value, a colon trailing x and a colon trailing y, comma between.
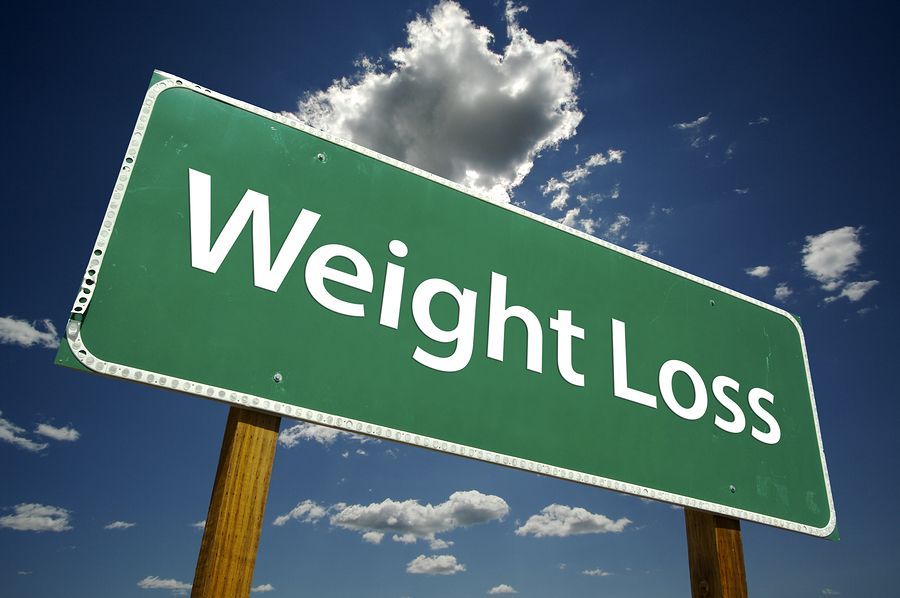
x: 752, y: 145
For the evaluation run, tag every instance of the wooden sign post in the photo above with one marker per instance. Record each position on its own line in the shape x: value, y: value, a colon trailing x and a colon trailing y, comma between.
x: 715, y: 555
x: 238, y: 503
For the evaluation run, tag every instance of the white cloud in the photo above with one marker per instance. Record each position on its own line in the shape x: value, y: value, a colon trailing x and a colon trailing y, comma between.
x: 571, y: 218
x: 119, y: 525
x: 502, y: 589
x: 443, y: 564
x: 854, y: 291
x: 560, y: 190
x: 694, y: 130
x: 828, y: 257
x: 596, y: 573
x: 33, y: 517
x: 742, y: 190
x: 24, y: 572
x: 758, y: 271
x: 11, y: 433
x: 373, y: 537
x: 830, y: 592
x: 410, y: 519
x: 762, y: 120
x: 14, y: 331
x: 783, y: 291
x: 266, y: 587
x: 616, y: 230
x: 452, y: 106
x: 641, y: 247
x: 153, y: 582
x: 62, y: 434
x: 306, y: 511
x: 201, y: 525
x: 582, y: 171
x: 694, y: 124
x: 562, y: 521
x: 438, y: 544
x: 404, y: 538
x: 291, y: 437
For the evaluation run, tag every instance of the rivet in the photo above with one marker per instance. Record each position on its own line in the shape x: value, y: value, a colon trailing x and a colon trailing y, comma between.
x: 277, y: 377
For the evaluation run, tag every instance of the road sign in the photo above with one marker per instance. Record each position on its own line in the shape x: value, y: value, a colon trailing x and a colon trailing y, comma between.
x: 250, y: 259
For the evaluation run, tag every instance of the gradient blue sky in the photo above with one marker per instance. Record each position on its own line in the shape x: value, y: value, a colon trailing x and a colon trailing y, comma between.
x: 789, y: 129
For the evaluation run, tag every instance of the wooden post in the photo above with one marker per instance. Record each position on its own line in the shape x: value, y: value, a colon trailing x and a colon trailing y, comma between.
x: 715, y: 555
x: 234, y: 522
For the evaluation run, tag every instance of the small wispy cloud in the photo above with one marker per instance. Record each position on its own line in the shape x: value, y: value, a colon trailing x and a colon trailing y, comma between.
x: 617, y: 231
x: 64, y: 434
x: 742, y: 190
x: 596, y: 573
x: 761, y: 120
x: 14, y: 331
x: 854, y: 291
x: 119, y: 525
x: 153, y: 582
x: 306, y: 511
x: 291, y: 437
x: 15, y: 435
x: 693, y: 124
x: 560, y: 190
x: 200, y: 525
x: 35, y: 517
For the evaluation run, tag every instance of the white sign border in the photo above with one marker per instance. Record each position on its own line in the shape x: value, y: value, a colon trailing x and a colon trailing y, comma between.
x: 84, y: 355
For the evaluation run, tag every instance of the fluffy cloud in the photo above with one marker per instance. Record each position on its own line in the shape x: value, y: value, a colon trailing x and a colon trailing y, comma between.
x: 828, y: 257
x: 758, y: 271
x: 451, y: 105
x: 11, y: 433
x: 854, y: 291
x: 617, y: 230
x: 119, y: 525
x: 62, y: 434
x: 14, y: 331
x: 502, y: 589
x: 444, y: 564
x: 152, y: 582
x: 783, y: 291
x: 266, y: 587
x: 306, y: 511
x: 410, y: 519
x: 641, y: 247
x: 291, y: 437
x: 596, y: 573
x: 562, y: 521
x: 373, y: 537
x: 438, y: 544
x: 33, y: 517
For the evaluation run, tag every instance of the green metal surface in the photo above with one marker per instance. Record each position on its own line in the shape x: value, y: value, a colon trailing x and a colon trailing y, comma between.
x: 151, y: 309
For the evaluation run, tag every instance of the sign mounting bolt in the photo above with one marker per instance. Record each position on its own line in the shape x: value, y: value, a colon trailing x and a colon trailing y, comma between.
x: 277, y: 377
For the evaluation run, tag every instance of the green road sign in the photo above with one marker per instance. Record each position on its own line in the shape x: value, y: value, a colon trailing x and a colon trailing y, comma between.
x: 247, y: 258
